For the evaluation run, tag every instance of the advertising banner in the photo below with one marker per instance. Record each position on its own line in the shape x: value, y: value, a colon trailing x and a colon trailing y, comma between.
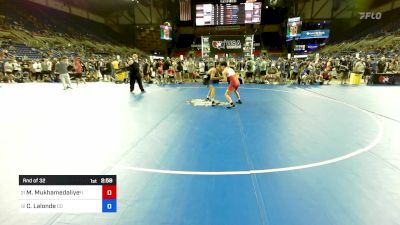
x: 227, y: 44
x: 311, y: 34
x: 312, y: 47
x: 386, y: 78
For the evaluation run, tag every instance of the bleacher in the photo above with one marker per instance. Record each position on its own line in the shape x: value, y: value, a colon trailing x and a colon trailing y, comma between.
x: 29, y: 14
x: 390, y: 22
x: 28, y: 25
x: 26, y: 52
x: 149, y: 38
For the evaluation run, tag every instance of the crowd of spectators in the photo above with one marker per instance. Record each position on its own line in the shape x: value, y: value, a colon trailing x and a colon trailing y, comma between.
x: 262, y: 70
x: 265, y: 70
x: 33, y: 54
x: 93, y: 69
x: 86, y: 65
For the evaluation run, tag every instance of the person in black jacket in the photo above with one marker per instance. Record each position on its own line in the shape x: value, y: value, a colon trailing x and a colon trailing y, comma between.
x: 134, y: 73
x: 344, y: 69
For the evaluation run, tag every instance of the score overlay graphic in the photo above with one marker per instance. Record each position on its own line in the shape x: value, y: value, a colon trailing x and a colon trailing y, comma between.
x: 68, y: 193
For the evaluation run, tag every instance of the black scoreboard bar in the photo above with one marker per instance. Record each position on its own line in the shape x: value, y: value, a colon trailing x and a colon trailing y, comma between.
x: 67, y: 179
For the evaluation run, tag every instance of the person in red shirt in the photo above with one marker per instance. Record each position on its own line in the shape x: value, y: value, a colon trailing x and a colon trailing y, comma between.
x: 159, y: 72
x: 78, y: 71
x: 171, y: 74
x: 234, y: 84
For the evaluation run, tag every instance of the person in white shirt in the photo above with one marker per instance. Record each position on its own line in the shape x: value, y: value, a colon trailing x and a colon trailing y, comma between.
x: 46, y: 68
x: 8, y: 70
x: 37, y: 70
x: 8, y: 67
x: 359, y: 67
x: 202, y: 67
x: 17, y: 67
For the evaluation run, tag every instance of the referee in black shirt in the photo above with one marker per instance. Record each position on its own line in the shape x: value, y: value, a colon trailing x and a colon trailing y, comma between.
x: 134, y: 73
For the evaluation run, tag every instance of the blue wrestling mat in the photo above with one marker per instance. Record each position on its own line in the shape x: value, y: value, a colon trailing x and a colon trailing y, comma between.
x: 289, y: 155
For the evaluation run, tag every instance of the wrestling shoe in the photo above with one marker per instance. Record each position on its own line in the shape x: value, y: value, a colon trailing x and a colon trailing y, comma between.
x: 231, y: 105
x: 239, y: 101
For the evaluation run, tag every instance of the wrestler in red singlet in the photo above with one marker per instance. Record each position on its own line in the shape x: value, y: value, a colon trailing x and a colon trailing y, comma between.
x: 233, y: 84
x: 233, y: 80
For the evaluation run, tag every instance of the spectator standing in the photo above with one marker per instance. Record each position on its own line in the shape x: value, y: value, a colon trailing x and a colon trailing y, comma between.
x: 295, y: 74
x: 257, y: 70
x: 367, y: 71
x: 25, y: 69
x: 99, y: 65
x: 344, y: 70
x: 382, y: 65
x: 202, y: 68
x: 146, y: 71
x: 115, y: 64
x: 393, y: 66
x: 374, y: 65
x: 358, y: 71
x: 159, y: 72
x: 37, y: 70
x: 329, y: 65
x: 92, y: 72
x: 78, y: 71
x: 249, y: 68
x: 134, y: 73
x: 8, y: 70
x: 185, y: 68
x: 62, y: 69
x: 43, y: 65
x: 53, y: 69
x: 192, y: 69
x: 47, y: 67
x: 359, y: 67
x: 17, y: 72
x: 263, y: 67
x: 165, y: 68
x: 109, y: 71
x: 272, y: 75
x: 179, y: 71
x: 2, y: 62
x: 171, y: 74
